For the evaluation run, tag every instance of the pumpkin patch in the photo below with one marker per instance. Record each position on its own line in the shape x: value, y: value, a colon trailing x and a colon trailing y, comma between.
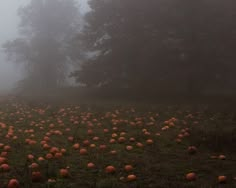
x: 124, y: 146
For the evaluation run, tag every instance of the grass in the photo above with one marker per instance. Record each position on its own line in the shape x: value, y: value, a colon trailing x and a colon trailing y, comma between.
x: 161, y: 164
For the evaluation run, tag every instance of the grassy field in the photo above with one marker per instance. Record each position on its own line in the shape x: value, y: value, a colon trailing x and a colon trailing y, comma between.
x: 48, y: 145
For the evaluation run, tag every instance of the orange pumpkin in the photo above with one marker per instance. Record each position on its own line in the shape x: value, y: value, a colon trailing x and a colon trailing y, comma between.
x: 131, y: 177
x: 2, y: 160
x: 110, y: 169
x: 64, y: 173
x: 129, y: 148
x: 34, y: 165
x: 91, y: 165
x: 121, y: 139
x: 149, y: 141
x: 83, y: 151
x: 222, y: 157
x: 76, y: 146
x: 36, y: 176
x: 128, y: 168
x: 192, y: 149
x: 191, y: 176
x: 222, y: 179
x: 13, y: 183
x: 5, y: 167
x: 113, y: 152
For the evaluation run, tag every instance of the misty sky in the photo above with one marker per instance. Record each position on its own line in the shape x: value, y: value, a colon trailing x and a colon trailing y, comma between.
x: 9, y: 21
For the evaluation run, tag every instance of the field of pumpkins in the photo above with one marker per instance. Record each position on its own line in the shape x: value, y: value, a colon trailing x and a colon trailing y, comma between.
x: 115, y: 146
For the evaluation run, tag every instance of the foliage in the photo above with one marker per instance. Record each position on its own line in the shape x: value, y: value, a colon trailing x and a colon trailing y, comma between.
x: 46, y: 28
x: 183, y: 45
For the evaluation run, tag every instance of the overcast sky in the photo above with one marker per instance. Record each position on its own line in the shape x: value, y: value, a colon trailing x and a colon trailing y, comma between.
x: 9, y: 21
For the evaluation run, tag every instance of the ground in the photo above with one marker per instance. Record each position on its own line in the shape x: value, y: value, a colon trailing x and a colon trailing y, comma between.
x: 71, y: 145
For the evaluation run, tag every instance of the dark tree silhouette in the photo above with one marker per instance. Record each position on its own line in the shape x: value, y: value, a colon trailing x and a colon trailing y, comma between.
x: 173, y: 45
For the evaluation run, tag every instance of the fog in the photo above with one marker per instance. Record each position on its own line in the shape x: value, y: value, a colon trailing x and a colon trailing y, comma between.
x: 9, y: 21
x: 118, y: 48
x: 10, y: 73
x: 117, y: 93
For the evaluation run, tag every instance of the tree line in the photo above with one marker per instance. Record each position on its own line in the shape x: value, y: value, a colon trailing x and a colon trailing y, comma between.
x: 180, y: 46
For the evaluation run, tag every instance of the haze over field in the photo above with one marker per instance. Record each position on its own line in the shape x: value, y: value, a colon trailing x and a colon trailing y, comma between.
x: 8, y: 21
x: 166, y: 47
x: 10, y: 73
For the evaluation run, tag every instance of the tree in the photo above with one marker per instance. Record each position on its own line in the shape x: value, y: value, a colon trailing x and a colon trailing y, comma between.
x: 179, y: 44
x: 120, y: 33
x: 46, y: 28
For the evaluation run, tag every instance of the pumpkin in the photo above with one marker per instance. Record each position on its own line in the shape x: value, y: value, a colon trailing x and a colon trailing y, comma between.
x: 110, y: 169
x: 13, y: 183
x: 222, y: 157
x: 64, y: 173
x: 131, y: 177
x: 5, y: 167
x: 192, y: 149
x: 76, y: 146
x: 128, y: 168
x: 149, y: 141
x: 36, y: 176
x: 129, y: 148
x: 91, y: 165
x: 83, y: 151
x: 191, y: 176
x: 222, y: 179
